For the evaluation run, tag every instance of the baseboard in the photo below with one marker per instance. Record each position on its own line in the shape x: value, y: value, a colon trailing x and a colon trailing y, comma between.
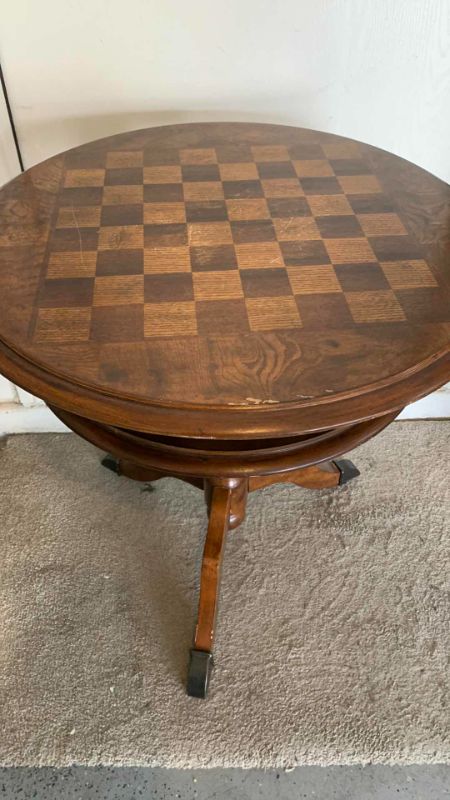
x: 15, y: 418
x: 433, y: 406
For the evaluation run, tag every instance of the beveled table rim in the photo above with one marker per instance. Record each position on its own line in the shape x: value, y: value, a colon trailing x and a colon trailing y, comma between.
x: 284, y: 418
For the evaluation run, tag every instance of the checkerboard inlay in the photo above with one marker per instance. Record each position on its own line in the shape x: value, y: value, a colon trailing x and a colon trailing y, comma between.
x: 226, y: 239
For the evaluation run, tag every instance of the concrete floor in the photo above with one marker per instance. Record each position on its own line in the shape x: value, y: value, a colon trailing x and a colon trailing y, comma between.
x: 312, y: 783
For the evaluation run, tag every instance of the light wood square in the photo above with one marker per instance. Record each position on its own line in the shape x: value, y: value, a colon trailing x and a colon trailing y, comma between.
x: 239, y: 172
x: 217, y: 285
x: 124, y: 158
x: 329, y: 205
x: 168, y: 174
x: 267, y: 313
x: 348, y: 251
x: 259, y: 255
x: 381, y: 306
x: 290, y: 229
x: 198, y: 191
x: 343, y: 150
x: 359, y: 184
x: 270, y: 153
x: 313, y: 168
x: 167, y: 259
x: 209, y: 233
x: 319, y: 279
x: 381, y: 225
x: 72, y: 264
x: 170, y: 319
x: 84, y: 177
x: 79, y: 217
x: 63, y: 325
x: 201, y: 155
x: 164, y: 213
x: 123, y: 195
x: 247, y: 209
x: 282, y: 187
x: 408, y: 274
x: 118, y: 290
x: 121, y: 237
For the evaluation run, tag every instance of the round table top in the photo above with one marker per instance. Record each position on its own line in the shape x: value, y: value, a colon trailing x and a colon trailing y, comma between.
x: 225, y: 279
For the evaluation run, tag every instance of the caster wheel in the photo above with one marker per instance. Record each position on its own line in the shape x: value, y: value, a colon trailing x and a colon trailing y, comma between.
x: 347, y: 469
x: 111, y: 463
x: 200, y: 666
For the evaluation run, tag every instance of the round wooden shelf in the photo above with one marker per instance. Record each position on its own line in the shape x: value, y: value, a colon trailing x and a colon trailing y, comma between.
x: 225, y: 280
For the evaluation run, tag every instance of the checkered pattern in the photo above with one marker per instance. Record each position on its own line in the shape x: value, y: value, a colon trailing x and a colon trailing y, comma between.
x: 228, y: 239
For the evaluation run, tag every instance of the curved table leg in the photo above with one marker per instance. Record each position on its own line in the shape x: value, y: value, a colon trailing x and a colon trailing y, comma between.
x: 219, y: 500
x: 325, y: 475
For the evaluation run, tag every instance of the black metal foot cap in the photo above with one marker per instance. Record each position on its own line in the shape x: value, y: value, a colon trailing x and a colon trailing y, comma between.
x: 200, y: 666
x: 111, y: 463
x: 347, y: 469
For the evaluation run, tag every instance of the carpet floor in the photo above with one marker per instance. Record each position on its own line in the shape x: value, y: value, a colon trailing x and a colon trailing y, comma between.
x: 333, y: 634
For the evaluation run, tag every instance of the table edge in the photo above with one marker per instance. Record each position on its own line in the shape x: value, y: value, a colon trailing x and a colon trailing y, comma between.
x: 230, y: 421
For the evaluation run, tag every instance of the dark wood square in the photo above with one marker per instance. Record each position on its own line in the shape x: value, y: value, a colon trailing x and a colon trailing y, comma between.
x: 122, y: 215
x: 207, y: 211
x: 305, y: 151
x: 334, y: 227
x: 66, y: 292
x: 163, y: 192
x: 276, y: 169
x: 238, y: 190
x: 221, y: 317
x: 117, y: 323
x: 220, y: 257
x: 324, y: 311
x: 174, y: 286
x: 361, y: 277
x: 233, y: 154
x: 165, y: 235
x: 200, y: 172
x: 288, y: 207
x: 265, y: 282
x: 370, y: 203
x: 261, y: 230
x: 120, y: 262
x: 154, y: 156
x: 127, y: 176
x: 424, y: 305
x: 81, y: 196
x: 350, y: 166
x: 85, y: 158
x: 395, y: 248
x: 74, y: 239
x: 320, y: 186
x: 304, y: 253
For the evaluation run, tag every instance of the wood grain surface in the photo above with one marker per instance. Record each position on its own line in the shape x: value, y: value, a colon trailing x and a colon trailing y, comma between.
x: 273, y: 278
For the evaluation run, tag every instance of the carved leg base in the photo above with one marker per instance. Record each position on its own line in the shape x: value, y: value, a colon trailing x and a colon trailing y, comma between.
x: 226, y: 501
x: 226, y: 471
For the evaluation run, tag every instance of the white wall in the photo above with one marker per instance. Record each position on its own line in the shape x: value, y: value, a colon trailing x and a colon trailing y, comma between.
x: 376, y: 70
x: 9, y: 163
x: 9, y: 168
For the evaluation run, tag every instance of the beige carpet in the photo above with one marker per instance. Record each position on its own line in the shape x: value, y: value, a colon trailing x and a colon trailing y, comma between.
x: 333, y: 628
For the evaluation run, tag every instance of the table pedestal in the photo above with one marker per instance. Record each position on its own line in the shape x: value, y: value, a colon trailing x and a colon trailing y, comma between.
x: 226, y: 470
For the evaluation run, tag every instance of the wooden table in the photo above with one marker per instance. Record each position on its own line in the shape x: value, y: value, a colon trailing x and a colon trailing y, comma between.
x: 231, y: 304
